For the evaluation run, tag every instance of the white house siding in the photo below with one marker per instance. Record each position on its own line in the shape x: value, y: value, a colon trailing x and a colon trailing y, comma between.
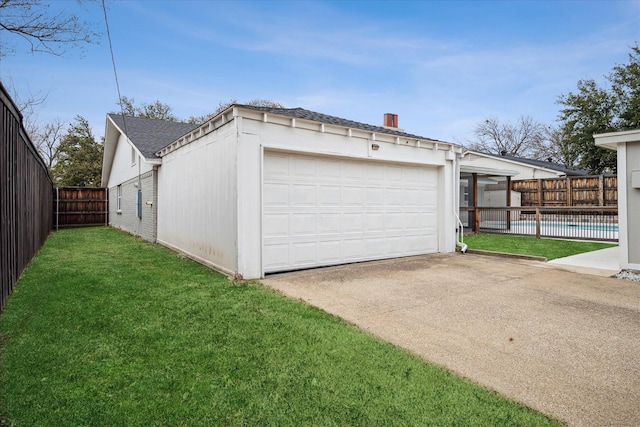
x: 524, y: 171
x: 627, y: 144
x: 210, y: 187
x: 631, y: 159
x: 125, y: 171
x: 197, y: 211
x: 127, y: 217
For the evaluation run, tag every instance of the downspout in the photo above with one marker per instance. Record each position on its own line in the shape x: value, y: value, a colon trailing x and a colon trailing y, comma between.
x: 456, y: 197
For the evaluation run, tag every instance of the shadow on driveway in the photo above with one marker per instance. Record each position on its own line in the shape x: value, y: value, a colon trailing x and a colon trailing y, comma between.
x: 564, y: 343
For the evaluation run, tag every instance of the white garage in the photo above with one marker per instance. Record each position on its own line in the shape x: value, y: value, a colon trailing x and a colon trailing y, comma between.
x: 259, y: 190
x: 321, y: 211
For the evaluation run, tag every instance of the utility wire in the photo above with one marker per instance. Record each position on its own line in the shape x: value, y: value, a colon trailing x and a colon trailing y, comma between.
x: 115, y: 72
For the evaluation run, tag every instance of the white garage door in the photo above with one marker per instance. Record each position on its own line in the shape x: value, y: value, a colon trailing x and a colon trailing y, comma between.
x: 324, y: 211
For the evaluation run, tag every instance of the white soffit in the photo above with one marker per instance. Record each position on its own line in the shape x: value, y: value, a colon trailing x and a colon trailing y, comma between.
x: 487, y: 171
x: 612, y: 139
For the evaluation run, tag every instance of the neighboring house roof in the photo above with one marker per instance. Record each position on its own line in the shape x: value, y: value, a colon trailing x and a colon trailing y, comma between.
x: 150, y: 135
x: 542, y: 164
x: 301, y: 113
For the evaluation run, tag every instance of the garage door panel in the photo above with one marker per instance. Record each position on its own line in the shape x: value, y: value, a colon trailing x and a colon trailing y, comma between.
x: 329, y: 170
x: 352, y: 249
x: 323, y: 211
x: 374, y: 221
x: 302, y: 195
x: 303, y: 167
x: 329, y: 195
x: 375, y: 247
x: 352, y: 196
x: 276, y: 194
x: 303, y: 253
x: 329, y: 251
x: 352, y: 222
x: 329, y: 223
x: 352, y: 171
x: 276, y: 225
x: 303, y: 224
x: 277, y: 166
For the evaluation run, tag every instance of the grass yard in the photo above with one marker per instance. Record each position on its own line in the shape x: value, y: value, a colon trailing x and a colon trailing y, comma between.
x: 524, y: 245
x: 106, y: 330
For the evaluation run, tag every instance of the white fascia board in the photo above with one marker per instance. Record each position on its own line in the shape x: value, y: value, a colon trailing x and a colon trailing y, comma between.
x: 611, y: 140
x: 109, y: 149
x: 239, y: 111
x: 111, y: 137
x: 515, y: 162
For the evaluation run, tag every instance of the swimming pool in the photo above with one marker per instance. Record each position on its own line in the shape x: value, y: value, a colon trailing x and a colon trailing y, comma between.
x: 572, y: 230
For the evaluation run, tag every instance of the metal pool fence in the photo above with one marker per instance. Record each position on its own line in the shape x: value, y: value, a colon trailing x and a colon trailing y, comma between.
x: 583, y: 223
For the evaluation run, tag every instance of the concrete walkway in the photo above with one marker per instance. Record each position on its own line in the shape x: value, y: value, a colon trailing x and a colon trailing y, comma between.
x: 564, y: 343
x: 605, y: 262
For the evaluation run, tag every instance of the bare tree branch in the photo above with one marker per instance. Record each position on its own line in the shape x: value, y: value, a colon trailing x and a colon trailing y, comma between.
x: 47, y: 141
x: 520, y: 139
x: 43, y: 28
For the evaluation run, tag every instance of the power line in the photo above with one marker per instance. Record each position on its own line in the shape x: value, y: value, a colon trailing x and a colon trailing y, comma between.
x: 115, y: 72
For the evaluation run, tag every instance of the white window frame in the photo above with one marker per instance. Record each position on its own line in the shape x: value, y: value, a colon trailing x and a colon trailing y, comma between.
x: 119, y: 199
x: 134, y: 156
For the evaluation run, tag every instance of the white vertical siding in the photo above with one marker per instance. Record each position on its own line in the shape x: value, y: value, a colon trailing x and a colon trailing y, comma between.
x: 197, y: 190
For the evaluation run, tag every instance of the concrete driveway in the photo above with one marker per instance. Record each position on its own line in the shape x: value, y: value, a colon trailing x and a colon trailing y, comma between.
x: 564, y: 343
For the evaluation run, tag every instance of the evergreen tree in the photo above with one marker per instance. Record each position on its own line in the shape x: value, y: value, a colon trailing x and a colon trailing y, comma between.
x: 79, y: 157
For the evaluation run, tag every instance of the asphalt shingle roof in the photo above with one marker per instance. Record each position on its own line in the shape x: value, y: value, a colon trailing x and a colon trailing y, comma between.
x: 150, y: 135
x: 542, y: 164
x: 301, y: 113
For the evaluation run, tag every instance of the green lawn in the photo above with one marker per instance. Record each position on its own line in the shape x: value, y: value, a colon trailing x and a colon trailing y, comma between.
x: 524, y: 245
x: 106, y: 330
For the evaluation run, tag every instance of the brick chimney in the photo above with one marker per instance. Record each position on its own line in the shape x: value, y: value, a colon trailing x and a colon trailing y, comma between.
x: 390, y: 120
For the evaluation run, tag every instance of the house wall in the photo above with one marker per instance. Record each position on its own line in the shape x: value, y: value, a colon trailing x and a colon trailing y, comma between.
x: 123, y: 169
x: 524, y: 171
x: 197, y: 199
x: 631, y: 158
x: 127, y: 217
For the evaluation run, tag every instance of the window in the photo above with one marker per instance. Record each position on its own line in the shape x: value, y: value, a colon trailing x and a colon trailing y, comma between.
x: 119, y: 199
x: 133, y: 156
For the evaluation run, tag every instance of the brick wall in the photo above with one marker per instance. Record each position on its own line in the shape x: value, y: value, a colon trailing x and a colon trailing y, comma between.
x: 126, y: 218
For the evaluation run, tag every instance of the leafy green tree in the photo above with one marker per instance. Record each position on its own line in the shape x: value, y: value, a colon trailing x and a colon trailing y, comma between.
x: 79, y: 157
x: 589, y: 111
x: 593, y: 109
x: 625, y: 81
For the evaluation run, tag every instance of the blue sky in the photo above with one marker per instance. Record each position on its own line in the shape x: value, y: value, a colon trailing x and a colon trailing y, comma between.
x: 442, y: 66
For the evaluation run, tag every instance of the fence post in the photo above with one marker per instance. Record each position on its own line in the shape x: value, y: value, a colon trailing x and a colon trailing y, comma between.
x: 601, y: 190
x: 569, y: 191
x: 508, y: 202
x: 540, y: 194
x: 476, y: 218
x: 537, y: 223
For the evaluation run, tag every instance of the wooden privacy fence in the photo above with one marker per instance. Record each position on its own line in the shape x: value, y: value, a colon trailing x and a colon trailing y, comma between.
x: 26, y: 199
x: 79, y: 206
x: 570, y: 191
